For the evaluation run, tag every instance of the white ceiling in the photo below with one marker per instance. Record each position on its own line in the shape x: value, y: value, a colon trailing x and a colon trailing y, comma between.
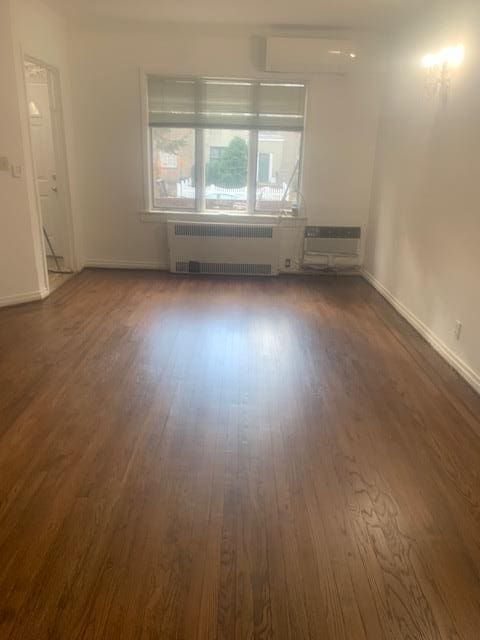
x: 363, y: 14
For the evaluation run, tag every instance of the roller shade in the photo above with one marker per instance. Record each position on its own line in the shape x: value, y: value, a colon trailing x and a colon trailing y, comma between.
x: 211, y: 102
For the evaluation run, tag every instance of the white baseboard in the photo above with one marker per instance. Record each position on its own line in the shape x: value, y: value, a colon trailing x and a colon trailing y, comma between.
x: 467, y: 373
x: 23, y: 298
x: 126, y: 264
x: 165, y: 266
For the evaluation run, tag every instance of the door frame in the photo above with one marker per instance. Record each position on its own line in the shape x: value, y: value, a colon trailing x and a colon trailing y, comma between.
x: 61, y: 161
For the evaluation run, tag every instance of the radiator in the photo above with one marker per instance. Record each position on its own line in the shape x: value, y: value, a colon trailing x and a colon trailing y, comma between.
x: 223, y: 248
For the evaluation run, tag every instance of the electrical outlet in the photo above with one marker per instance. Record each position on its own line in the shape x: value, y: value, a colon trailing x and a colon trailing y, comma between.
x: 287, y: 263
x: 458, y: 329
x: 4, y: 164
x: 17, y: 170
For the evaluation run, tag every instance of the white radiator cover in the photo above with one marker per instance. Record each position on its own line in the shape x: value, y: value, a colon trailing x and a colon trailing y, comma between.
x: 223, y: 248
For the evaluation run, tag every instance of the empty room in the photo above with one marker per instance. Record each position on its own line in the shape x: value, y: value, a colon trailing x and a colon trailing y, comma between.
x: 239, y: 320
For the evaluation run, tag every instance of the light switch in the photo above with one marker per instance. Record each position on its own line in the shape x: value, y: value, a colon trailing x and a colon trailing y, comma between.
x: 17, y: 170
x: 4, y: 163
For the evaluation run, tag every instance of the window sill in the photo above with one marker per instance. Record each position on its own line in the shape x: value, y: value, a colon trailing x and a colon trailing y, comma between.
x: 156, y: 215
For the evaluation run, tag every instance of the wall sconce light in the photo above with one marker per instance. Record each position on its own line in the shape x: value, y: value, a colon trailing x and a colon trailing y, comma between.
x: 438, y: 67
x: 33, y: 110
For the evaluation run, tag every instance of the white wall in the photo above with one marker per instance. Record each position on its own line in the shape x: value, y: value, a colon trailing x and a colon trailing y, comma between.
x: 424, y: 234
x: 339, y: 139
x: 21, y: 271
x: 27, y: 27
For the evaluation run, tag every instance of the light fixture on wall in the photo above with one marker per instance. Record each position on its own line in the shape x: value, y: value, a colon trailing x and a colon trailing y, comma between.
x: 438, y: 67
x: 33, y: 110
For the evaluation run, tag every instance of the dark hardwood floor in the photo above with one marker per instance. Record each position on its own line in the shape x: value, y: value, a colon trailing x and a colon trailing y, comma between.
x: 207, y: 458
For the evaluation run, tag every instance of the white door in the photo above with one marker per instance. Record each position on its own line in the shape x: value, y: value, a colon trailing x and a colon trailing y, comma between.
x: 39, y: 104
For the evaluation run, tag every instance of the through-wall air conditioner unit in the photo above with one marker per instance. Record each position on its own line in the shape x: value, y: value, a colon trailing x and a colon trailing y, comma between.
x: 223, y: 248
x: 309, y: 55
x: 342, y: 242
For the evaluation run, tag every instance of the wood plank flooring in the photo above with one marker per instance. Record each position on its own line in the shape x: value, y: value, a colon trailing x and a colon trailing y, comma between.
x: 208, y: 458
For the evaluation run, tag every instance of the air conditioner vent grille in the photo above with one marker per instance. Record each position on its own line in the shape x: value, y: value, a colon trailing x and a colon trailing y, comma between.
x: 333, y: 232
x: 226, y: 268
x: 214, y: 230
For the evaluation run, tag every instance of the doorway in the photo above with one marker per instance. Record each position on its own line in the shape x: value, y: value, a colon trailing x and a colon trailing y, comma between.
x: 49, y: 161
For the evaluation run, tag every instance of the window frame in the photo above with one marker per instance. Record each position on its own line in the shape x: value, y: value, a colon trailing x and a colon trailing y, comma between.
x: 252, y: 168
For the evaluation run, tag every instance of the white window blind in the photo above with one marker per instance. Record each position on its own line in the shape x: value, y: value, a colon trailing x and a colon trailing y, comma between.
x: 211, y: 103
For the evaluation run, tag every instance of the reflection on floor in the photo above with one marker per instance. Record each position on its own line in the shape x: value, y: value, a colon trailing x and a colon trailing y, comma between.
x: 56, y: 275
x: 56, y: 280
x: 222, y: 458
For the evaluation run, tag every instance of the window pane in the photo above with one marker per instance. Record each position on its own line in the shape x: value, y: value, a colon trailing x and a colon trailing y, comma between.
x: 277, y: 170
x: 173, y: 154
x: 264, y: 167
x: 226, y: 169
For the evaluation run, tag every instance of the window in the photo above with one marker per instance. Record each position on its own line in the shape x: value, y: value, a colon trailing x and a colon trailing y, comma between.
x: 168, y: 160
x: 216, y: 152
x: 226, y: 176
x: 221, y: 144
x: 173, y: 167
x: 264, y: 168
x: 278, y: 170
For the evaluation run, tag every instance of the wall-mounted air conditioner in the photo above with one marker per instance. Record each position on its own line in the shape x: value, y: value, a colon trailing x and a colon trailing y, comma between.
x: 309, y: 55
x: 340, y: 242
